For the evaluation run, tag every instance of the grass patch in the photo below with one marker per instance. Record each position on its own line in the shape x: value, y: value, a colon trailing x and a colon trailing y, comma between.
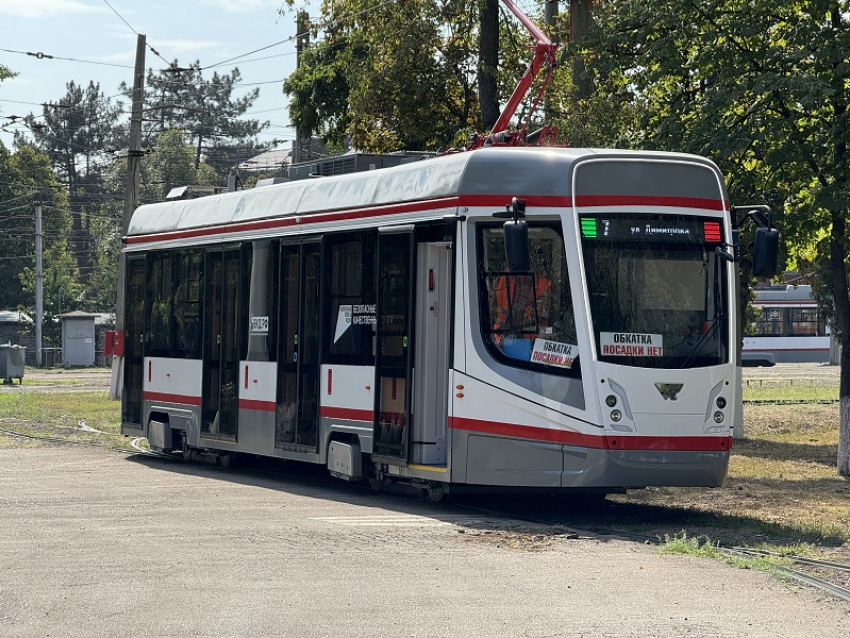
x: 58, y: 377
x: 82, y: 417
x: 788, y: 389
x: 682, y: 544
x: 782, y: 494
x: 703, y: 547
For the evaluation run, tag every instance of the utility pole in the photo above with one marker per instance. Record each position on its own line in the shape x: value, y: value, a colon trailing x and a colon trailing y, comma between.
x: 302, y: 40
x: 580, y: 21
x: 131, y: 201
x: 39, y: 280
x: 550, y: 8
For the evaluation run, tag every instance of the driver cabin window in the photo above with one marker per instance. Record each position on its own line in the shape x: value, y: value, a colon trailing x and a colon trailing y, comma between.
x: 527, y: 318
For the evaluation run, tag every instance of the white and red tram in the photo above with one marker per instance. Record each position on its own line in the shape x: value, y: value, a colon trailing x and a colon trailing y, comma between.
x: 370, y: 322
x: 789, y: 328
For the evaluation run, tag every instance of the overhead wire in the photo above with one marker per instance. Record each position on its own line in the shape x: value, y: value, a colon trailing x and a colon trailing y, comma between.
x: 154, y: 51
x: 84, y: 148
x: 44, y: 56
x: 321, y: 25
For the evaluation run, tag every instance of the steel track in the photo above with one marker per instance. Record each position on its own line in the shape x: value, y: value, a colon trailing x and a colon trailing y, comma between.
x: 56, y: 439
x: 790, y: 401
x: 835, y: 590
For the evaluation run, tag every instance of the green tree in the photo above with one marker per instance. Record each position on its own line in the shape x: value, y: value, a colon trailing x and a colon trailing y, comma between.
x: 207, y: 113
x: 319, y: 90
x: 172, y: 164
x: 78, y: 134
x: 402, y: 75
x: 21, y: 174
x: 761, y: 86
x: 418, y: 74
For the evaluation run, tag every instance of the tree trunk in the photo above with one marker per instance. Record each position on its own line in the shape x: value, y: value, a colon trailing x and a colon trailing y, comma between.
x: 580, y: 19
x: 844, y: 410
x: 841, y: 296
x: 488, y: 62
x: 198, y: 153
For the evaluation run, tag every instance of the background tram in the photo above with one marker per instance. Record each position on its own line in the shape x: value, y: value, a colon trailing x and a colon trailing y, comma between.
x: 377, y: 323
x: 788, y: 328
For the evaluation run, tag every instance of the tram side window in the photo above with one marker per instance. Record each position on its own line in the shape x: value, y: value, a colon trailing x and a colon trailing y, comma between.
x: 159, y: 299
x: 527, y: 318
x: 804, y: 322
x: 173, y: 304
x: 186, y: 320
x: 349, y: 271
x: 771, y: 323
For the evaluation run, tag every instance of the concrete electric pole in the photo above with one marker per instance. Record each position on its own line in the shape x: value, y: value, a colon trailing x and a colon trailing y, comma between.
x: 131, y: 201
x: 302, y: 40
x: 39, y: 280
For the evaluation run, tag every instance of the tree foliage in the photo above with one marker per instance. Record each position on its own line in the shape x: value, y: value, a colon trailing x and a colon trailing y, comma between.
x: 78, y: 134
x: 207, y: 113
x: 406, y: 75
x: 761, y: 86
x: 172, y: 164
x: 21, y: 175
x: 6, y: 73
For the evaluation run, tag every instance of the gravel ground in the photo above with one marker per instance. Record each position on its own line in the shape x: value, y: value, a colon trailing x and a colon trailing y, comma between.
x: 817, y: 373
x: 97, y: 544
x: 62, y: 379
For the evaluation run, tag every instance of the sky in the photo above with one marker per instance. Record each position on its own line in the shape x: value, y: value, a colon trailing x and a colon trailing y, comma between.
x: 96, y: 40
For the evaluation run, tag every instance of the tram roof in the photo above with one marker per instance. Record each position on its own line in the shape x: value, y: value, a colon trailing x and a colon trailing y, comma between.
x: 490, y: 171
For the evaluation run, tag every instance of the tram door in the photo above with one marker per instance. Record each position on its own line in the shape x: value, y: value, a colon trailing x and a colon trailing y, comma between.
x: 431, y: 361
x: 134, y: 330
x: 393, y: 353
x: 219, y: 406
x: 297, y: 415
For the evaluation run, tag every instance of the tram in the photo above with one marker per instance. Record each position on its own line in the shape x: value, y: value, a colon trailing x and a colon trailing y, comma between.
x: 789, y: 328
x: 556, y: 319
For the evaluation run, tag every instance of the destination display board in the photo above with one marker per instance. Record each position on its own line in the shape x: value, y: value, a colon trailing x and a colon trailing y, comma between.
x: 655, y: 228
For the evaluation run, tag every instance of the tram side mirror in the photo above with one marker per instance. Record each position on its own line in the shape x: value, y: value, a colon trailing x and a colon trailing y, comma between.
x: 765, y: 253
x: 517, y: 251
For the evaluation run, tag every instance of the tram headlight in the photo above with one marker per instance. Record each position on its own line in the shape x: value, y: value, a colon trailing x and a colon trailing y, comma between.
x: 718, y: 417
x: 610, y: 400
x: 616, y: 415
x: 721, y: 402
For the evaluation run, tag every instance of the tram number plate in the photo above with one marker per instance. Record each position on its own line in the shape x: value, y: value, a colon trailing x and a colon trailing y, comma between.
x: 259, y: 325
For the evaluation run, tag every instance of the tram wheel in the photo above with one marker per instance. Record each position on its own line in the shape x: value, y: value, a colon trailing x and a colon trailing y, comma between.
x: 226, y: 459
x: 187, y: 451
x: 376, y: 483
x: 436, y: 493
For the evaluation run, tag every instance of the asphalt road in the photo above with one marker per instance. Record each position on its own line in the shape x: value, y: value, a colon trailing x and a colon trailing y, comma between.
x: 98, y: 544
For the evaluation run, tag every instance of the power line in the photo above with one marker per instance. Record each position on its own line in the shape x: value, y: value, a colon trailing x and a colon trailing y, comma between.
x: 319, y: 25
x: 44, y: 56
x: 212, y: 66
x: 154, y: 51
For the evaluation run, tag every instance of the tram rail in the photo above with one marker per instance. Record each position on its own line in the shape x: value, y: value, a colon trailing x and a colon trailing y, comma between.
x: 798, y: 574
x: 135, y: 448
x: 775, y: 558
x: 790, y: 401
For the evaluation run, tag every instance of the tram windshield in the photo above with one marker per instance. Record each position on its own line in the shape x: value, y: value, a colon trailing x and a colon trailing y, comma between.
x: 658, y: 292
